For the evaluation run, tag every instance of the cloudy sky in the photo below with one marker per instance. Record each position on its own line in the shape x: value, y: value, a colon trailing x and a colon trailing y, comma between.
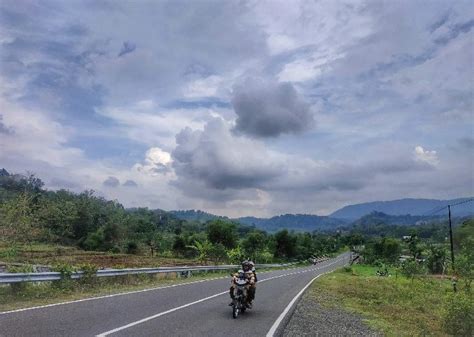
x: 240, y: 107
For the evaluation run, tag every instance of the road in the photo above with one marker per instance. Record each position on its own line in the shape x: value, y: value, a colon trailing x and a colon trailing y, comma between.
x: 193, y: 309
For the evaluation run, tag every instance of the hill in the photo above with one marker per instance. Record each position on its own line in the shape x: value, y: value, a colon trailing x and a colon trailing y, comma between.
x: 296, y: 222
x: 414, y: 207
x: 387, y: 219
x: 196, y: 215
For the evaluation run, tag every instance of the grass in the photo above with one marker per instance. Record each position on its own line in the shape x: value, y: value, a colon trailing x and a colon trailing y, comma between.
x: 394, y: 305
x: 42, y: 254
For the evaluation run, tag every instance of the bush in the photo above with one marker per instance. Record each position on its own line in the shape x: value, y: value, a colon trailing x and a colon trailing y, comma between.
x: 458, y: 317
x: 115, y: 250
x: 411, y: 268
x: 10, y: 252
x: 132, y: 247
x: 66, y: 271
x: 90, y: 272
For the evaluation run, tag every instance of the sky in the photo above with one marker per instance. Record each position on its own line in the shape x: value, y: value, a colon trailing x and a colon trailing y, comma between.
x: 240, y: 107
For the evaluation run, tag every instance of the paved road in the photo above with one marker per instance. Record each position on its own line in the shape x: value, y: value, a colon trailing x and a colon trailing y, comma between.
x: 194, y: 309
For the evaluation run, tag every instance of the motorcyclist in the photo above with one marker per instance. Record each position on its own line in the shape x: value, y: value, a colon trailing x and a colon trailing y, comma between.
x: 250, y: 276
x: 254, y: 285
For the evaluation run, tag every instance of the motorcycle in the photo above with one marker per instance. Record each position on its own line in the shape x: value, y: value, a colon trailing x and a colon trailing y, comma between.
x: 239, y: 304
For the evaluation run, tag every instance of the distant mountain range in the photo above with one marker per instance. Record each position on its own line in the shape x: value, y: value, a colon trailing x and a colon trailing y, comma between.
x: 376, y: 218
x: 414, y: 207
x: 297, y: 222
x: 396, y: 212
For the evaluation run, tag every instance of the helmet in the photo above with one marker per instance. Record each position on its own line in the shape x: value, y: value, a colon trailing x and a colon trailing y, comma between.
x: 252, y: 265
x: 246, y: 266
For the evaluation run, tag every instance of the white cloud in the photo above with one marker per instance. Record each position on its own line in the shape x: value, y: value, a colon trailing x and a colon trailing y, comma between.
x: 151, y: 125
x: 157, y: 162
x: 427, y: 156
x: 204, y: 87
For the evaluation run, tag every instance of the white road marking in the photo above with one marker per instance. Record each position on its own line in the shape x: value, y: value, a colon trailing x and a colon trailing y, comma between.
x: 208, y: 298
x: 118, y: 294
x: 108, y: 296
x: 158, y: 315
x: 280, y: 318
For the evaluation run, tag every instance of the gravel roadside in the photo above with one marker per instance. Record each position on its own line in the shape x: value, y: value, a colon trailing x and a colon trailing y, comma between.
x: 311, y: 319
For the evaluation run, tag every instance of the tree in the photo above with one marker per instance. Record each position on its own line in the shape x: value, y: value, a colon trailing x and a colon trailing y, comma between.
x: 391, y: 249
x: 58, y: 217
x: 179, y: 245
x: 222, y: 232
x: 153, y: 241
x: 18, y: 219
x: 436, y: 261
x: 385, y: 249
x: 285, y: 244
x: 411, y: 268
x: 203, y: 249
x: 253, y: 243
x: 413, y: 246
x: 217, y: 252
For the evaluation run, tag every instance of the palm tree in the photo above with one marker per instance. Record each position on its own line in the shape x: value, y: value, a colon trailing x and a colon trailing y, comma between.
x: 203, y: 249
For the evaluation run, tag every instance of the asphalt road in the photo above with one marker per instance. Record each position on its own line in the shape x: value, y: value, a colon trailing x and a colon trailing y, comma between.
x: 193, y: 309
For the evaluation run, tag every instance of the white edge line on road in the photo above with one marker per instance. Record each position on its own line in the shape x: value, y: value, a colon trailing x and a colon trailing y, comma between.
x: 158, y: 315
x: 107, y: 296
x: 103, y: 334
x: 114, y: 295
x: 280, y: 318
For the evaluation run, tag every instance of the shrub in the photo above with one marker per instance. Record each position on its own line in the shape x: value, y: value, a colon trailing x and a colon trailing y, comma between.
x: 458, y: 315
x: 411, y: 268
x: 66, y: 271
x: 10, y: 252
x: 115, y: 250
x: 90, y: 272
x: 132, y: 247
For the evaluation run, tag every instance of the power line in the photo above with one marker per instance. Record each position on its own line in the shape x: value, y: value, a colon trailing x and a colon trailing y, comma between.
x: 462, y: 202
x: 435, y: 210
x: 438, y: 209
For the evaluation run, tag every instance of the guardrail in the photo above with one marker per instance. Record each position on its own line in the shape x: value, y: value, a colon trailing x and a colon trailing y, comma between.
x: 55, y: 276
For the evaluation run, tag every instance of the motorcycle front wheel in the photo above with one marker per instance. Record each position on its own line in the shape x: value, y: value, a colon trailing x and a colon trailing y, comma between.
x: 235, y: 311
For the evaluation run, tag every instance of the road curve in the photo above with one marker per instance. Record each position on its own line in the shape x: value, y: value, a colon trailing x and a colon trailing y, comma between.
x: 193, y: 309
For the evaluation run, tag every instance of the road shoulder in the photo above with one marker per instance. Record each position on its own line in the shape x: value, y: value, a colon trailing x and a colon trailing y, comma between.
x: 310, y: 318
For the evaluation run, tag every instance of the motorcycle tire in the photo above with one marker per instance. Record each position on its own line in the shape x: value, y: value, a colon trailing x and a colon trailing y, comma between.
x: 235, y: 311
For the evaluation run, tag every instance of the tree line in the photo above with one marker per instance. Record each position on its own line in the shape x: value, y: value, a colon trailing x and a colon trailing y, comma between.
x: 29, y: 214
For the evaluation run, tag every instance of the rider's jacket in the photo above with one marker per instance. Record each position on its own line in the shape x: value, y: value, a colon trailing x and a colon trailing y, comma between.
x: 249, y: 275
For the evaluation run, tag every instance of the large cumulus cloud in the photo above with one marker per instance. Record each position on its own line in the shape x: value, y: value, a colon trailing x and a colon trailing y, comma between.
x: 269, y: 109
x: 221, y: 160
x: 221, y: 168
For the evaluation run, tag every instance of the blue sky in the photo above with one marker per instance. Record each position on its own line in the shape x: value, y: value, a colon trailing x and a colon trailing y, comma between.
x: 240, y: 107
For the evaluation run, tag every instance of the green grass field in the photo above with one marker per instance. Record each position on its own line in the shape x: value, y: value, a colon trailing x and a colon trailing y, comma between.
x: 395, y: 305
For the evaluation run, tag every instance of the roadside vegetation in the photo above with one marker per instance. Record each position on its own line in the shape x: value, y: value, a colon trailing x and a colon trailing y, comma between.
x: 48, y: 227
x: 403, y: 284
x: 412, y: 296
x: 62, y: 231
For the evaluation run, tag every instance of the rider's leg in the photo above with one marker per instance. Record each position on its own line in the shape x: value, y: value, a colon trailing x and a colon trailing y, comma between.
x: 252, y: 292
x: 232, y: 296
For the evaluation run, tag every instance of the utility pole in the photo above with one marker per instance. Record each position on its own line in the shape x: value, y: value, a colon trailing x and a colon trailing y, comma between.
x: 452, y: 247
